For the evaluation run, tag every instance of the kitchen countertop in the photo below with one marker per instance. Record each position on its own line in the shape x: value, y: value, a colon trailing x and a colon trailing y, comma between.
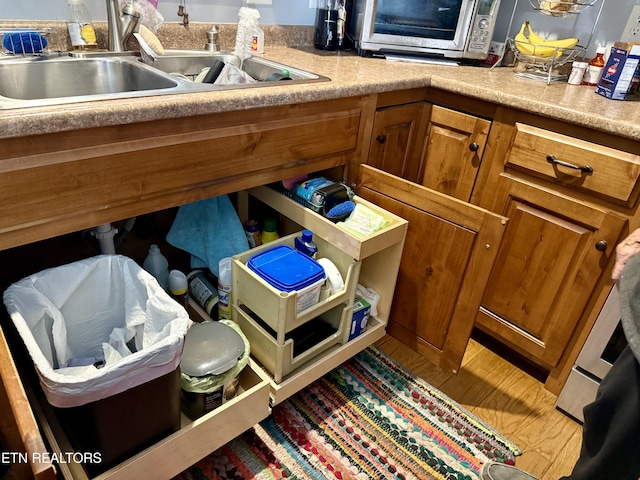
x: 350, y: 75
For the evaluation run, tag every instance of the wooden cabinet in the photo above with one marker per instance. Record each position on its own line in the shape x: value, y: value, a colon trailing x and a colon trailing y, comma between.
x: 553, y: 253
x: 438, y: 147
x: 398, y: 140
x: 564, y: 190
x: 449, y: 250
x: 453, y: 151
x: 451, y: 244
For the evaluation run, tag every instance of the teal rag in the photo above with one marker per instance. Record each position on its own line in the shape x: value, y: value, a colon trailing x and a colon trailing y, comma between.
x: 209, y: 230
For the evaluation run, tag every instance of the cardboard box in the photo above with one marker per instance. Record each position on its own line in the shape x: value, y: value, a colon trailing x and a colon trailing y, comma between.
x: 617, y: 81
x: 360, y: 319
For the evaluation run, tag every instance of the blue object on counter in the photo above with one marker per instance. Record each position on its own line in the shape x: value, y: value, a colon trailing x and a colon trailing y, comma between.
x: 209, y: 230
x: 24, y: 42
x: 286, y: 268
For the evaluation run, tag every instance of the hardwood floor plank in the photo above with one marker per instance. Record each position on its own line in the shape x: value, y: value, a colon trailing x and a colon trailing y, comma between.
x: 566, y: 457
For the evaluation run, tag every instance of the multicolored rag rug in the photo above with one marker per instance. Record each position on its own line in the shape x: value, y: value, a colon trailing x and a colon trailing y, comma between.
x: 368, y: 418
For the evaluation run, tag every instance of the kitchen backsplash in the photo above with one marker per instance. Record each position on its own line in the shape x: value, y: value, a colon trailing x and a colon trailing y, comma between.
x: 174, y: 35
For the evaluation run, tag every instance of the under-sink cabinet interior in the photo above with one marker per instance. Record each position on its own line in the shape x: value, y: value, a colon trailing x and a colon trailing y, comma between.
x: 274, y: 372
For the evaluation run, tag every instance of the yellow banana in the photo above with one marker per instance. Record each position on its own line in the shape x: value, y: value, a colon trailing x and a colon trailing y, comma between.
x: 530, y: 43
x: 562, y: 43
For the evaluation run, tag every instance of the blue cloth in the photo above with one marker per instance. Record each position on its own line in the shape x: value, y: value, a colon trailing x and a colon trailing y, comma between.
x: 209, y: 230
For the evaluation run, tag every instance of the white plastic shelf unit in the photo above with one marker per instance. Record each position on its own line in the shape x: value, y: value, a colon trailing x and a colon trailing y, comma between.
x: 266, y: 314
x: 372, y: 261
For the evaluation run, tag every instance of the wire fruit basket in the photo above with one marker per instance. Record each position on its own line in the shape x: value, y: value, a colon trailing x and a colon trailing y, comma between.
x: 542, y: 61
x: 561, y: 8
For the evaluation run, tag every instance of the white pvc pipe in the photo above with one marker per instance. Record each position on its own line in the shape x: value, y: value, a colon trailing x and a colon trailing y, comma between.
x: 105, y: 233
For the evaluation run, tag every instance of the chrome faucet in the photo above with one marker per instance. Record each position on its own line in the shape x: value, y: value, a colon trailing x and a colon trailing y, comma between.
x: 121, y: 24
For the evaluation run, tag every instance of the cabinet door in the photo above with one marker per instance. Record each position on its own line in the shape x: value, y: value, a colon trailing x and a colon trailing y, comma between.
x: 448, y: 253
x: 554, y: 251
x: 455, y: 144
x: 397, y: 140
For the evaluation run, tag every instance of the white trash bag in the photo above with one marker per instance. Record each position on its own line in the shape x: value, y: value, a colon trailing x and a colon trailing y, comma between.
x: 96, y: 327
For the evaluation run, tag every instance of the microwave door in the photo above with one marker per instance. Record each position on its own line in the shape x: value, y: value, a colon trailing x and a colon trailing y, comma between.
x: 432, y: 24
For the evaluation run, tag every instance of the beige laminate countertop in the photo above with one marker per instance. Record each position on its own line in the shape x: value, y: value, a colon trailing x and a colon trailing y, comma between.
x: 350, y: 75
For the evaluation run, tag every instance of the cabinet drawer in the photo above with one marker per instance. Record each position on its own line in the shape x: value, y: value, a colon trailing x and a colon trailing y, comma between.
x: 193, y: 441
x: 576, y: 163
x: 164, y: 459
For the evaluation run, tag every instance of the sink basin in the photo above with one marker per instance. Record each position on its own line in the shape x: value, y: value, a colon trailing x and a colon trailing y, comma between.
x: 41, y: 81
x: 191, y: 62
x: 54, y: 80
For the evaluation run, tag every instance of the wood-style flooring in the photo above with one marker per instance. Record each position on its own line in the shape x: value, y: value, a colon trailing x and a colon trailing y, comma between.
x: 512, y: 401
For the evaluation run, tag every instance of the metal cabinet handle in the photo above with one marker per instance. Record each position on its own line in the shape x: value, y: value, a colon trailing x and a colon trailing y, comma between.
x: 381, y: 138
x: 583, y: 168
x: 601, y: 246
x: 474, y: 147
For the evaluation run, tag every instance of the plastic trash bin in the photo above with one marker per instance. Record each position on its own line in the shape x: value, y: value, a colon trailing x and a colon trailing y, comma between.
x: 106, y: 342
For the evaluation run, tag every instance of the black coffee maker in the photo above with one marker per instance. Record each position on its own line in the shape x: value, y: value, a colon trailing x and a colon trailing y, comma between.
x: 331, y: 31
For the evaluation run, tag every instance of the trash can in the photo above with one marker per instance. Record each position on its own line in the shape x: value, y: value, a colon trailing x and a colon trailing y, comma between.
x: 215, y: 353
x: 106, y: 342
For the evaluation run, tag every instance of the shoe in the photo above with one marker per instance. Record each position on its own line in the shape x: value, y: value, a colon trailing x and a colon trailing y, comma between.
x: 500, y: 471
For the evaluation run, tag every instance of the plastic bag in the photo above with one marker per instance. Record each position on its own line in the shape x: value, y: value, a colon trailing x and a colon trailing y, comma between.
x: 210, y: 383
x: 149, y: 16
x: 96, y: 327
x: 231, y: 75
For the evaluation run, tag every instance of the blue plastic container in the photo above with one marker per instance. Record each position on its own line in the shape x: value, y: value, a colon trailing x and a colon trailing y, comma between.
x: 286, y: 268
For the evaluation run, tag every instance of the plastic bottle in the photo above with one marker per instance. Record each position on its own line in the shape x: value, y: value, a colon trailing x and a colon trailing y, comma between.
x: 304, y: 243
x: 157, y: 265
x: 577, y: 73
x: 253, y: 233
x: 81, y: 31
x: 224, y: 288
x: 202, y: 290
x: 594, y: 69
x: 269, y: 231
x: 179, y: 287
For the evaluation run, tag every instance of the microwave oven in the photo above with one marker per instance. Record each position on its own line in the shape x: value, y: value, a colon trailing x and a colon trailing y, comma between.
x: 456, y: 29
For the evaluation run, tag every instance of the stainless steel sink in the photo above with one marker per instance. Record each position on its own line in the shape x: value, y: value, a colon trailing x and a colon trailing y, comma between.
x: 54, y: 80
x: 42, y: 81
x: 191, y: 62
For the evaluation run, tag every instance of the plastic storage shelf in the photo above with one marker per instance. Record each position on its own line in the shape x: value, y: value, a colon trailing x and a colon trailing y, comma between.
x: 279, y: 309
x: 281, y: 358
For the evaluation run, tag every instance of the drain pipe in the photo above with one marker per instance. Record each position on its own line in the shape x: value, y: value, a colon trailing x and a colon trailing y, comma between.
x: 105, y: 233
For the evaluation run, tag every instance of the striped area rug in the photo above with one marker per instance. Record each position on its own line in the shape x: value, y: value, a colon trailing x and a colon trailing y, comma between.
x: 368, y: 418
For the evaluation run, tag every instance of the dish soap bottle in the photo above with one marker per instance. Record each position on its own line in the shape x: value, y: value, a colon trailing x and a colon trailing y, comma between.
x: 81, y: 31
x: 595, y: 67
x: 305, y: 244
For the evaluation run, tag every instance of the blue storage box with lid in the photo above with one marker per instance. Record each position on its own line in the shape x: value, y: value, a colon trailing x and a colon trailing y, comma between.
x: 288, y: 270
